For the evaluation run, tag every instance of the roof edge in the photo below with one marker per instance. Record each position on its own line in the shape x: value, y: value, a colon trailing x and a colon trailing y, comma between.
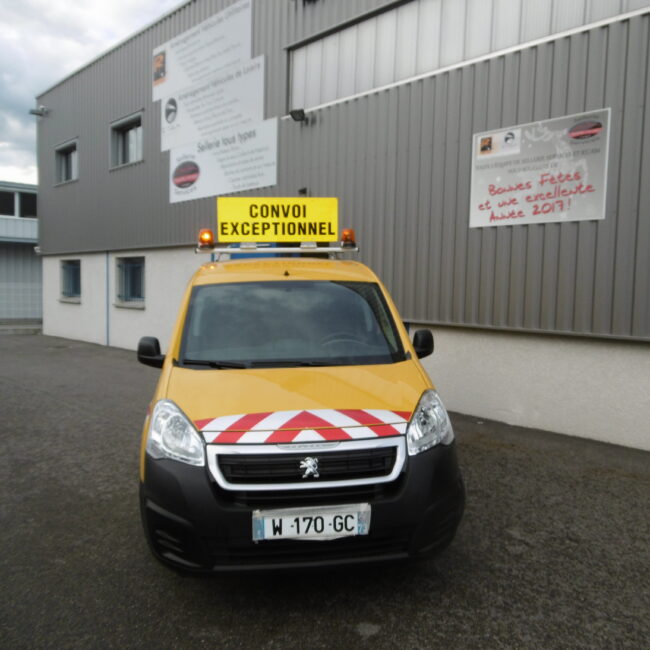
x: 11, y: 186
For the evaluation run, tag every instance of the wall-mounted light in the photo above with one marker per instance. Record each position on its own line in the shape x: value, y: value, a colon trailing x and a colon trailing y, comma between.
x: 298, y: 115
x: 41, y: 111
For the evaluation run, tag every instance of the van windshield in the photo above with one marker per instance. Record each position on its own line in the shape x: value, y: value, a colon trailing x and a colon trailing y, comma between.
x: 285, y: 324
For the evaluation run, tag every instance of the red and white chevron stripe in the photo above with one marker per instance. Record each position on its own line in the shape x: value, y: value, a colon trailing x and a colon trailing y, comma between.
x: 317, y: 425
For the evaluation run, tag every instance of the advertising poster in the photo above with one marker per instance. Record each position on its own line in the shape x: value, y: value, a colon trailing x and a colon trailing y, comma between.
x: 242, y: 158
x: 221, y: 41
x: 543, y: 172
x: 233, y: 97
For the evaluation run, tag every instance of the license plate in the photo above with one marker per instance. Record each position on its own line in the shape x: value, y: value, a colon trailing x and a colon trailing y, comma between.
x: 324, y: 522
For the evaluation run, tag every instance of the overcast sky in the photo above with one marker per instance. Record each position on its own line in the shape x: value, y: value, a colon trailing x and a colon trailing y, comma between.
x: 42, y: 41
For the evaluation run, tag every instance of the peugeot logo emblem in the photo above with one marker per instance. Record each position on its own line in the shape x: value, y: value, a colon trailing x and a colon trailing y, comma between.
x: 310, y: 465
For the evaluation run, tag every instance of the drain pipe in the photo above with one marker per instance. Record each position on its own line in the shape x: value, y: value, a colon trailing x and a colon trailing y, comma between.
x: 108, y: 325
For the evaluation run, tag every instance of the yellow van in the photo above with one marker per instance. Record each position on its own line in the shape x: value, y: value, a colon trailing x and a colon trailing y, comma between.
x: 293, y: 424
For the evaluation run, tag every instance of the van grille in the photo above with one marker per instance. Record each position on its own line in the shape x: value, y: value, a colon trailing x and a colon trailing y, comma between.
x: 302, y: 498
x: 269, y: 469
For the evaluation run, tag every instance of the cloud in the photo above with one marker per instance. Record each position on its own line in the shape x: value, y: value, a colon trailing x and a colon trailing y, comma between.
x: 43, y: 41
x: 25, y: 172
x: 17, y: 133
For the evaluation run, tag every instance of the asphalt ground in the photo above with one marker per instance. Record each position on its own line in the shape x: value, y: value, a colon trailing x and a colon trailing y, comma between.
x: 553, y: 551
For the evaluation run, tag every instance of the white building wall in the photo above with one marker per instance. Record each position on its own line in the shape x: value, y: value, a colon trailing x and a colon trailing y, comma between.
x: 593, y: 389
x: 83, y: 319
x: 167, y: 273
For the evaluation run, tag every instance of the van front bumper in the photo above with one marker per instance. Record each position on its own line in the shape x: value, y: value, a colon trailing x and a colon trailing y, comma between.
x: 193, y: 524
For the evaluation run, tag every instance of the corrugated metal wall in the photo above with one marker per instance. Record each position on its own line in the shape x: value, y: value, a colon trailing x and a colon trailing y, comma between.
x: 20, y: 282
x: 424, y: 35
x: 400, y: 162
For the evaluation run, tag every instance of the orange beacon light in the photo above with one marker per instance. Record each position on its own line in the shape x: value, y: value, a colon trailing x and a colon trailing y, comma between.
x: 206, y: 238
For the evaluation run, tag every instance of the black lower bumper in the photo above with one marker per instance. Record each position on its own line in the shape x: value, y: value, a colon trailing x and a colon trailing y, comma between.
x: 193, y: 524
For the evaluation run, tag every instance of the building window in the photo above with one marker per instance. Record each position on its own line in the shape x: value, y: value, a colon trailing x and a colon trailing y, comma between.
x: 71, y: 278
x: 7, y: 204
x: 27, y: 205
x: 126, y: 141
x: 67, y: 166
x: 130, y: 279
x: 422, y: 36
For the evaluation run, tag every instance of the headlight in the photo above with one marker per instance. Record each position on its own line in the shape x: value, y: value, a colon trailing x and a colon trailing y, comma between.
x: 171, y: 435
x: 430, y: 425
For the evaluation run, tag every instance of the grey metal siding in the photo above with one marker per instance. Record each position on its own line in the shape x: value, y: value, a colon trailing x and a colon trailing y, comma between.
x: 424, y: 35
x: 399, y: 160
x: 128, y: 207
x: 20, y: 282
x: 403, y: 161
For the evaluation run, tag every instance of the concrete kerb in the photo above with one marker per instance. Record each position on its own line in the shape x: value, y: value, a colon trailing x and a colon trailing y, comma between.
x: 20, y: 327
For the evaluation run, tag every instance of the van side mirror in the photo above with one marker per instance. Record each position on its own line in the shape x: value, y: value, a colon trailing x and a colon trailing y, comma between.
x: 149, y: 352
x: 423, y: 343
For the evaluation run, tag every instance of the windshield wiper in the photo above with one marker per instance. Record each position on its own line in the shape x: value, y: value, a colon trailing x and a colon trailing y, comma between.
x: 292, y: 363
x: 214, y: 364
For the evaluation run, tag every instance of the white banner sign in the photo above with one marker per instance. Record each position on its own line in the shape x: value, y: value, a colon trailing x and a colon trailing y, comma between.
x: 542, y: 172
x: 234, y: 97
x: 243, y: 158
x: 221, y: 41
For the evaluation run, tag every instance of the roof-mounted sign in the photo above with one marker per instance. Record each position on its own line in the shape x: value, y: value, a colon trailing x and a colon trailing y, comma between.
x: 272, y: 219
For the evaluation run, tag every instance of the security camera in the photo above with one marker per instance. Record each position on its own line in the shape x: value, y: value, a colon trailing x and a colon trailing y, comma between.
x: 40, y: 111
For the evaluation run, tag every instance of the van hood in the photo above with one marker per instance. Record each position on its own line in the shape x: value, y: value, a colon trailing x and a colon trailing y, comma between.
x: 283, y: 405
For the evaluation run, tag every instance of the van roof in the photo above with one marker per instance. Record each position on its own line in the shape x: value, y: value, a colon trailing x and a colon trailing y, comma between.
x: 283, y: 268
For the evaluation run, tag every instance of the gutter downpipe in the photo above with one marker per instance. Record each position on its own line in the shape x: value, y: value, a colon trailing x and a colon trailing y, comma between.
x: 108, y: 330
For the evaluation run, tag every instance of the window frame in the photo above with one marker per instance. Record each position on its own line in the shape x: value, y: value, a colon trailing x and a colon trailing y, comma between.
x: 124, y: 295
x: 67, y: 292
x: 119, y: 147
x: 20, y: 199
x: 13, y: 212
x: 64, y: 172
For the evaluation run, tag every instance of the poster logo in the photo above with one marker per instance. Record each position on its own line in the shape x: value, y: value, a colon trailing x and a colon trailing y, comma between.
x: 502, y: 143
x: 186, y: 174
x: 585, y: 130
x: 486, y: 145
x: 159, y: 68
x: 171, y: 110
